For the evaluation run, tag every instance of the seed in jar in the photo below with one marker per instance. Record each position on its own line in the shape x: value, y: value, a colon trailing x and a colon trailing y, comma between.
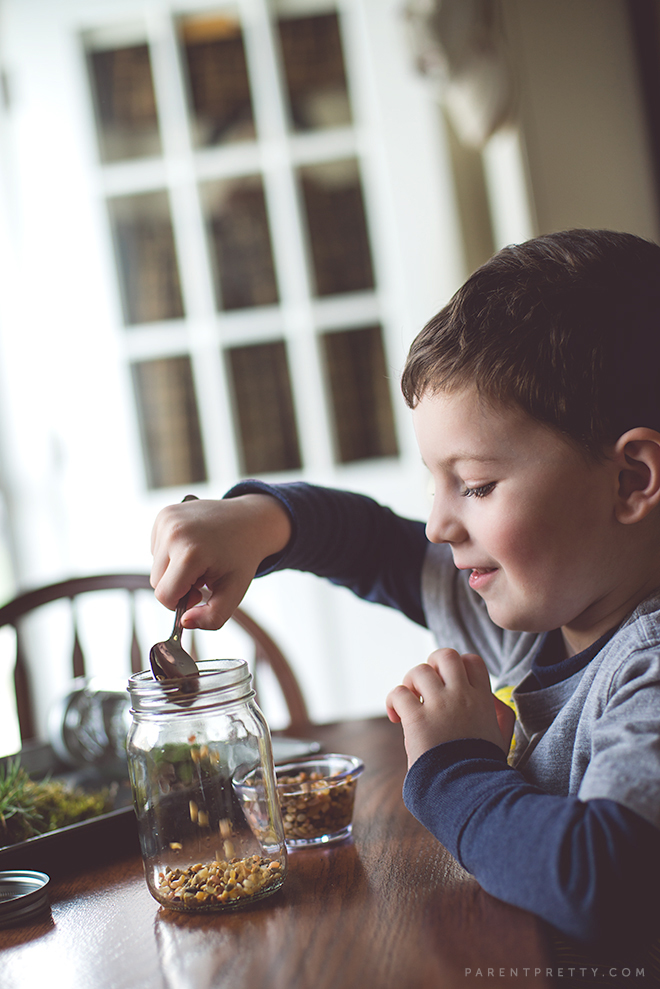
x: 203, y: 819
x: 229, y: 848
x: 176, y: 846
x: 218, y: 881
x: 194, y: 810
x: 224, y: 828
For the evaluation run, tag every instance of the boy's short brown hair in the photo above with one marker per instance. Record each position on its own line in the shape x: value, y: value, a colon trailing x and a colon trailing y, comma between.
x: 566, y: 326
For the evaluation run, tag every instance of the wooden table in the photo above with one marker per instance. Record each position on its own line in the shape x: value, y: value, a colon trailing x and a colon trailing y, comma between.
x: 388, y: 909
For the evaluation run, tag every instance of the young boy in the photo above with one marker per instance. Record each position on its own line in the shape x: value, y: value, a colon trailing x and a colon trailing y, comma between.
x: 535, y: 397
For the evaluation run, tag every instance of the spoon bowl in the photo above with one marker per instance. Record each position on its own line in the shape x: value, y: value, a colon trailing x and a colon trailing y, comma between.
x: 169, y: 660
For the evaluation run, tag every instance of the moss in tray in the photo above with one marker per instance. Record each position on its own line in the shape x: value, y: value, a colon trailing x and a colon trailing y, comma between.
x: 29, y: 807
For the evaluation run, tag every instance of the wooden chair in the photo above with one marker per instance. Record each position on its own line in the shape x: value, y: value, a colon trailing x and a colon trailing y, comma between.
x: 266, y: 652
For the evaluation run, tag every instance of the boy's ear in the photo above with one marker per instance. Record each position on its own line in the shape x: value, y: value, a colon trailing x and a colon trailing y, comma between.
x: 637, y: 456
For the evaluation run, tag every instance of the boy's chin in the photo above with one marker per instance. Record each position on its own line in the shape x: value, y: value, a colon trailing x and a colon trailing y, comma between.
x: 517, y: 622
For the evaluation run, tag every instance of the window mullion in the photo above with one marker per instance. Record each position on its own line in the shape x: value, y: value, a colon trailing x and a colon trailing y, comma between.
x: 180, y: 170
x: 289, y: 242
x: 201, y: 318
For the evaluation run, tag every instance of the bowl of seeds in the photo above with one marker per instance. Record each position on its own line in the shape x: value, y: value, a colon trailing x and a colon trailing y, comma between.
x: 316, y: 796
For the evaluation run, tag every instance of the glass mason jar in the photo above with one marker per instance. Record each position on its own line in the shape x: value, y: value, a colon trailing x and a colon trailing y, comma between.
x: 184, y: 752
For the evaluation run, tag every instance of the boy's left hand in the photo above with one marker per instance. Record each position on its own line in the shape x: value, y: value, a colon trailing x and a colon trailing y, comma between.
x: 446, y: 698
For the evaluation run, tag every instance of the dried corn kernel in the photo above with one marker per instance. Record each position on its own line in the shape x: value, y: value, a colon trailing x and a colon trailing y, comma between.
x: 218, y: 881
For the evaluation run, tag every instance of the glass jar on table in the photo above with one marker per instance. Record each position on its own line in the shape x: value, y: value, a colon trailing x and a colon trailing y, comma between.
x: 185, y: 749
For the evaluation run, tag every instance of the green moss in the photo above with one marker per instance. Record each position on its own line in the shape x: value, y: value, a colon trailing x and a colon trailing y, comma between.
x: 29, y: 808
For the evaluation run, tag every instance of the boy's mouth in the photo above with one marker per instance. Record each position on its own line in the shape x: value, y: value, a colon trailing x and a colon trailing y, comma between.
x: 479, y: 577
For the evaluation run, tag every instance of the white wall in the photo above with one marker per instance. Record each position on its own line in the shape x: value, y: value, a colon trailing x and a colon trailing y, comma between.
x: 581, y: 115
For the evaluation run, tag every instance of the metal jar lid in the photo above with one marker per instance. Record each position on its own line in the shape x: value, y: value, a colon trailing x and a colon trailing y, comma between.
x: 23, y: 894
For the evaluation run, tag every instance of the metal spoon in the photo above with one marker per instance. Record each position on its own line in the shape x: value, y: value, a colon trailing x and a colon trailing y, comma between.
x: 169, y: 660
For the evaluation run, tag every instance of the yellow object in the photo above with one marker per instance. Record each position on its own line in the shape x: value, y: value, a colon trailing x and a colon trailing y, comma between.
x: 505, y: 694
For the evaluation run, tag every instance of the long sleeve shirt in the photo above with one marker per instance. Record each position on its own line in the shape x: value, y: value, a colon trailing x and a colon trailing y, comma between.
x: 569, y: 826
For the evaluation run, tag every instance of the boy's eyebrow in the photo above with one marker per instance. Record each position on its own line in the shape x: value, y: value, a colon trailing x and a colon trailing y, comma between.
x: 466, y: 456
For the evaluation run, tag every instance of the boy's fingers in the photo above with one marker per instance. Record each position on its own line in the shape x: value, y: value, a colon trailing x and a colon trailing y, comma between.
x: 455, y: 670
x: 477, y: 671
x: 402, y: 702
x: 422, y: 679
x: 210, y: 615
x: 441, y: 659
x: 158, y: 569
x: 220, y: 601
x: 449, y: 665
x: 173, y: 583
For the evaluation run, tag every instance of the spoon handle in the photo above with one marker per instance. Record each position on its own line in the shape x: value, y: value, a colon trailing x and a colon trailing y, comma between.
x: 178, y: 615
x: 181, y: 606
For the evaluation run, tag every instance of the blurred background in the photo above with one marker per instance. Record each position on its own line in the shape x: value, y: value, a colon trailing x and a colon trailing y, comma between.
x: 222, y: 224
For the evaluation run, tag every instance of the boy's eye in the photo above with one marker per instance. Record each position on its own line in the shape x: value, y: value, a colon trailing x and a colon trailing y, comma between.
x: 480, y: 492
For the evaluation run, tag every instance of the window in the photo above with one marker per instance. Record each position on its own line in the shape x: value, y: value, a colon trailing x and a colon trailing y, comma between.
x: 235, y: 196
x: 147, y: 268
x: 171, y: 438
x: 125, y: 103
x: 261, y: 388
x: 362, y: 411
x: 172, y: 303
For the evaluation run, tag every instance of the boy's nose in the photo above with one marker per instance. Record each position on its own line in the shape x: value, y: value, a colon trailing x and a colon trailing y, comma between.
x: 443, y: 526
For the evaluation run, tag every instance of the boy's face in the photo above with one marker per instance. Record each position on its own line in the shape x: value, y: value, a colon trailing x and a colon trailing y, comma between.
x: 523, y: 511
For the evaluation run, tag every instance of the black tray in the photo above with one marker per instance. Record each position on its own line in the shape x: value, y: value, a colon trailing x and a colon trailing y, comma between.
x: 92, y: 842
x: 95, y: 841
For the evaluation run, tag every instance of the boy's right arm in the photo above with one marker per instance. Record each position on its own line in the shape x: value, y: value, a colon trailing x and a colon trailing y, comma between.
x: 218, y: 545
x: 345, y: 537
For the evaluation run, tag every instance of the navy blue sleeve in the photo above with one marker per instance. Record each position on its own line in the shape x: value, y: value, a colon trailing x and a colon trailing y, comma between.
x: 590, y: 868
x: 351, y: 540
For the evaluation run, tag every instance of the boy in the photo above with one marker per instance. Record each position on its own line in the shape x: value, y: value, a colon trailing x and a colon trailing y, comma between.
x: 535, y: 398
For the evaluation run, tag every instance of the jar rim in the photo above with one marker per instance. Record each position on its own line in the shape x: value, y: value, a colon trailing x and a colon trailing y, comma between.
x: 220, y: 681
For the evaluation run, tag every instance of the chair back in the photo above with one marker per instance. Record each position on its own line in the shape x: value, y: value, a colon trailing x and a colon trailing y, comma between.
x: 265, y: 653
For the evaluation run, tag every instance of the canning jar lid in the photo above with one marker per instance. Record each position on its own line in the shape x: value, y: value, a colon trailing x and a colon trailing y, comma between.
x: 23, y: 894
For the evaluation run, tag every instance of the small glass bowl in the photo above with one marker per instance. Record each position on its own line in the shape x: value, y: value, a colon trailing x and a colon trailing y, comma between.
x: 316, y: 796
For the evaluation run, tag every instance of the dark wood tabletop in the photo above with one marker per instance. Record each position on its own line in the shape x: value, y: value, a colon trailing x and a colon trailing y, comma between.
x: 387, y: 909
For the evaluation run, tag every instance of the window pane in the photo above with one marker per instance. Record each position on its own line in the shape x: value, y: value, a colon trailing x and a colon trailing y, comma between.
x: 314, y: 71
x: 146, y: 258
x: 169, y: 422
x: 126, y: 118
x: 337, y: 227
x: 218, y: 84
x: 240, y: 243
x: 264, y: 408
x: 357, y: 373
